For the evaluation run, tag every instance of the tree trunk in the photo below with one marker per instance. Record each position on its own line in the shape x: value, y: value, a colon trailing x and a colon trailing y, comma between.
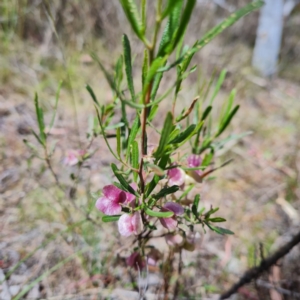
x: 268, y: 38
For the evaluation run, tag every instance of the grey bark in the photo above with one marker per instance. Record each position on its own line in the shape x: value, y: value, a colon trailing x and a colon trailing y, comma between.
x: 268, y: 39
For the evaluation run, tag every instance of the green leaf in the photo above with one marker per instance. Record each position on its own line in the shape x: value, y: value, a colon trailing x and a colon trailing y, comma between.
x: 210, y: 212
x: 153, y: 112
x: 207, y: 158
x: 232, y: 137
x: 187, y: 190
x: 131, y: 12
x: 196, y: 205
x: 171, y: 5
x: 184, y: 21
x: 217, y: 219
x: 122, y: 180
x: 128, y: 67
x: 183, y: 135
x: 119, y: 72
x: 229, y: 105
x: 227, y: 120
x: 218, y: 86
x: 103, y: 132
x: 165, y: 45
x: 156, y: 169
x: 206, y: 112
x: 91, y: 92
x: 135, y: 159
x: 40, y: 119
x: 156, y: 64
x: 107, y: 219
x: 55, y: 106
x: 166, y: 191
x: 219, y: 230
x: 158, y: 214
x: 162, y: 164
x: 233, y: 18
x: 167, y: 129
x: 132, y: 135
x: 109, y: 77
x: 144, y: 15
x: 115, y: 126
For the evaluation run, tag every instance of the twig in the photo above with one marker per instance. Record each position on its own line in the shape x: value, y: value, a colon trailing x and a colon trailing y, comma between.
x: 264, y: 266
x: 280, y: 290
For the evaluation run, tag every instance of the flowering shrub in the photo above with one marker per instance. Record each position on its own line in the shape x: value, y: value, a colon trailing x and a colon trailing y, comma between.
x: 160, y: 174
x: 154, y: 181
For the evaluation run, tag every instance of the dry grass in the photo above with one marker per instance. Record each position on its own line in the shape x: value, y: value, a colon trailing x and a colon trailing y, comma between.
x: 258, y: 193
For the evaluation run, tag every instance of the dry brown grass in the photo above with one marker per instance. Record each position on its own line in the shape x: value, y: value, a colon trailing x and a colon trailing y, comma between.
x: 258, y: 193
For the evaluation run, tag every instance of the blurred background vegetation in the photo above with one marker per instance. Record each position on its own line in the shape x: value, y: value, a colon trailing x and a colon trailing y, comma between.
x: 41, y: 226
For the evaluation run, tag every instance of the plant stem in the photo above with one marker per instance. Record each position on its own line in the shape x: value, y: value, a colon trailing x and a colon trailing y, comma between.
x: 151, y: 50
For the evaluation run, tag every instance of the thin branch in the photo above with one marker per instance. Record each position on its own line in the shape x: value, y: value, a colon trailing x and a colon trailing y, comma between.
x: 264, y: 266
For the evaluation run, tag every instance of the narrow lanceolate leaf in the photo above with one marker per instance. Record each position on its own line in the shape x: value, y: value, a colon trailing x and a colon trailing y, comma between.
x: 115, y: 126
x: 128, y: 67
x: 144, y: 16
x: 184, y: 21
x: 131, y: 12
x: 119, y: 72
x: 195, y: 205
x: 217, y: 220
x: 107, y: 219
x: 218, y: 86
x: 167, y: 129
x: 132, y: 135
x: 166, y: 191
x: 156, y: 64
x: 159, y: 214
x: 162, y: 164
x: 227, y: 120
x: 122, y: 180
x: 165, y: 45
x: 92, y: 94
x: 183, y: 135
x: 207, y: 159
x: 156, y: 169
x: 206, y: 112
x: 40, y: 119
x: 171, y: 5
x: 233, y: 18
x: 135, y: 158
x: 109, y: 77
x: 219, y: 230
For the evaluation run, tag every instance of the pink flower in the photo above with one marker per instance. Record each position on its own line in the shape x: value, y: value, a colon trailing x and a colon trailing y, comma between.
x: 195, y: 161
x: 136, y: 261
x: 111, y: 203
x: 130, y: 224
x: 176, y: 176
x: 73, y: 157
x: 177, y: 209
